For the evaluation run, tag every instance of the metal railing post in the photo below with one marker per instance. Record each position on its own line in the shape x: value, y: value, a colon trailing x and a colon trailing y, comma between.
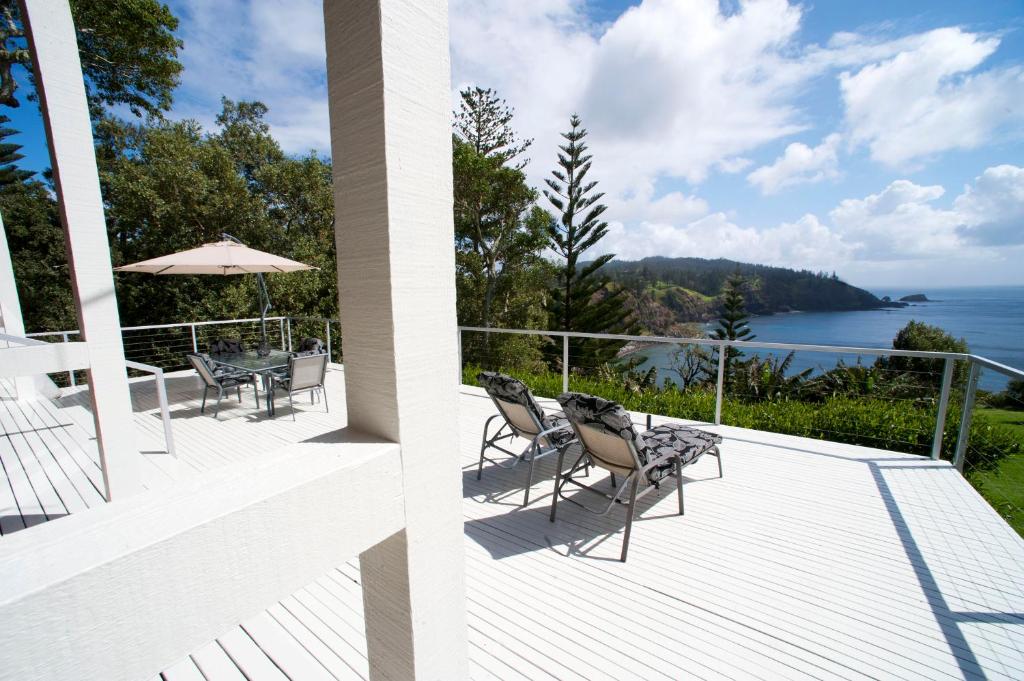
x: 327, y: 330
x: 565, y: 364
x: 965, y: 420
x: 195, y: 345
x: 458, y: 336
x: 940, y: 415
x: 720, y: 383
x: 71, y: 374
x: 288, y: 324
x: 280, y: 323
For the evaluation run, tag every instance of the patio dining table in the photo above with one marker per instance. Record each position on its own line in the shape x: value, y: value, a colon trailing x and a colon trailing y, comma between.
x: 251, y: 362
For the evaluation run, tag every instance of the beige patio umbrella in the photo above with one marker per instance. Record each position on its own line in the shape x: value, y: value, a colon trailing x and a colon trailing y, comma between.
x: 229, y: 256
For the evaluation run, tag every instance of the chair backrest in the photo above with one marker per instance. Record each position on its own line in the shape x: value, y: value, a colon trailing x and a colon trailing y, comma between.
x: 606, y: 430
x: 311, y: 346
x: 307, y: 372
x: 226, y: 346
x: 199, y: 363
x: 513, y: 399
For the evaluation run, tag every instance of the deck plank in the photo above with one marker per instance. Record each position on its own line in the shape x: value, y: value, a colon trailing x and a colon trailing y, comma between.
x: 809, y: 559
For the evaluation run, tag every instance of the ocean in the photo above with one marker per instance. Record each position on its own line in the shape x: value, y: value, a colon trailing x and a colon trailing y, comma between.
x: 991, y: 319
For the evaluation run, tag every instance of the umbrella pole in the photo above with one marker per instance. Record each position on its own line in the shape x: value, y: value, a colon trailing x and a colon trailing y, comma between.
x: 264, y: 307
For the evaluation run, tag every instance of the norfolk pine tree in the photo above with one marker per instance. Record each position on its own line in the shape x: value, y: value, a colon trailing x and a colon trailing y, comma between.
x: 581, y: 300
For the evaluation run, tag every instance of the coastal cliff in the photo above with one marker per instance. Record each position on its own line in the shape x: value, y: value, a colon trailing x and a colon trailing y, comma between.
x: 665, y: 292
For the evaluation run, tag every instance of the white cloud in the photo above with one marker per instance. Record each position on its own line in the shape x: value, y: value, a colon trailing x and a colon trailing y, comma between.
x: 924, y: 99
x: 273, y: 52
x: 806, y: 243
x: 901, y: 222
x: 799, y: 164
x: 992, y: 211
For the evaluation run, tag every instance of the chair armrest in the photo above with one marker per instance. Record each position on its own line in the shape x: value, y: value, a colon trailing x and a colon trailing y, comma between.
x: 543, y: 433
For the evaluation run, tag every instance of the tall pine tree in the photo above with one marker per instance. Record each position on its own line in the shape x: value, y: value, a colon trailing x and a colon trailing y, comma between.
x: 500, y: 232
x: 9, y: 156
x: 732, y: 325
x: 582, y: 300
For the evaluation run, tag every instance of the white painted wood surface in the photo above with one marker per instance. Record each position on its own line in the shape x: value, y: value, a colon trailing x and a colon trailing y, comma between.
x: 50, y: 358
x: 388, y: 77
x: 61, y: 90
x: 202, y: 555
x: 810, y: 559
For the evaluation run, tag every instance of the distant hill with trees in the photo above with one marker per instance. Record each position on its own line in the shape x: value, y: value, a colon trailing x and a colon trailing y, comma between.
x: 665, y: 292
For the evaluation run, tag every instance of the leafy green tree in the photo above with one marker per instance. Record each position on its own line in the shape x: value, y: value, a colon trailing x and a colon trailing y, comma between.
x: 128, y: 50
x: 732, y: 325
x: 169, y: 187
x: 499, y: 231
x: 582, y: 299
x: 36, y: 242
x: 9, y: 156
x: 923, y: 337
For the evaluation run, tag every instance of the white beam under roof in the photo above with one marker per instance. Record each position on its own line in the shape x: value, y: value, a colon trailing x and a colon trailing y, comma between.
x: 388, y: 77
x: 61, y: 90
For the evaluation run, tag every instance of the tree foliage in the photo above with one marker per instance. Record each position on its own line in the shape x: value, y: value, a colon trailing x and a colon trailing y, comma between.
x: 128, y: 50
x: 9, y: 172
x: 732, y: 325
x: 581, y: 300
x: 923, y: 337
x: 499, y: 230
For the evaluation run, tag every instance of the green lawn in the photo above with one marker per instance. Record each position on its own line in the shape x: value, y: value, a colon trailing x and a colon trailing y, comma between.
x: 1003, y: 487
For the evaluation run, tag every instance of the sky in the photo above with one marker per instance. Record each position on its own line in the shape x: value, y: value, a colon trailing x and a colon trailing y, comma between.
x: 880, y: 140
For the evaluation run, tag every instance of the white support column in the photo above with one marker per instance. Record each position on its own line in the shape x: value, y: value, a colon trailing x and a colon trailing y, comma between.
x: 388, y: 78
x: 61, y: 89
x: 11, y: 321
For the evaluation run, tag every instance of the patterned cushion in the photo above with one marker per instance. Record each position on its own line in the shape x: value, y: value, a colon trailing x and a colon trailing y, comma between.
x: 504, y: 387
x: 311, y: 346
x: 611, y: 418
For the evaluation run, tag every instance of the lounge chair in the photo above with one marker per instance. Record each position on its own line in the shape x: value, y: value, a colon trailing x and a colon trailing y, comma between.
x: 610, y: 441
x: 220, y: 380
x: 305, y: 374
x: 522, y: 417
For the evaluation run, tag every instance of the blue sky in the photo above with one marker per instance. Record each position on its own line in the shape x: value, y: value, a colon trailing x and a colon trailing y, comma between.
x: 882, y: 140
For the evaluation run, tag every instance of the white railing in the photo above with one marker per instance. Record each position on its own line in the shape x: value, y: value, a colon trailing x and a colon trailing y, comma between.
x: 161, y: 396
x: 975, y: 363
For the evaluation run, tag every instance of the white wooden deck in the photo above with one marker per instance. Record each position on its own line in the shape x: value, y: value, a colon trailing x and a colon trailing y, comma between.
x: 807, y: 560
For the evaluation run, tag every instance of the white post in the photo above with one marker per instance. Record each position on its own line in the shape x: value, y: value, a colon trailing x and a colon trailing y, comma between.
x: 940, y: 414
x: 565, y: 364
x: 964, y: 436
x: 61, y: 90
x: 195, y: 345
x: 720, y: 383
x: 11, y: 321
x: 389, y: 89
x: 71, y: 374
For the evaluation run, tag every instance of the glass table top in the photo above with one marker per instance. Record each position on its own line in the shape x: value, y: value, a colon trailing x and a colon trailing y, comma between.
x: 250, y: 361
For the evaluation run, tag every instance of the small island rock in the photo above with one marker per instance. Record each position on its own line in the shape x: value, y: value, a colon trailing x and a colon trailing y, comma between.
x: 915, y: 298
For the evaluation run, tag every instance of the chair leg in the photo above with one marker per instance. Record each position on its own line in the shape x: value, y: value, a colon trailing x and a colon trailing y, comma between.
x: 718, y: 455
x: 291, y: 404
x: 613, y: 480
x: 629, y: 516
x: 216, y: 409
x: 327, y: 409
x: 558, y: 483
x: 529, y: 475
x: 679, y: 483
x: 206, y: 391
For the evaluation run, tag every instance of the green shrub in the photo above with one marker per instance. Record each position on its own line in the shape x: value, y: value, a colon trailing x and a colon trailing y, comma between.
x: 900, y: 426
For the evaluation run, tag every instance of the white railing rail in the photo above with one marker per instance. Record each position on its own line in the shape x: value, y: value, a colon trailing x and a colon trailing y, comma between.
x: 161, y: 396
x: 975, y: 363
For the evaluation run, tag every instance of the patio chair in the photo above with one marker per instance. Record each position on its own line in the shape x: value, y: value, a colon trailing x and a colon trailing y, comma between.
x: 221, y: 381
x: 305, y: 374
x: 522, y: 417
x: 310, y: 346
x: 226, y: 346
x: 611, y: 442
